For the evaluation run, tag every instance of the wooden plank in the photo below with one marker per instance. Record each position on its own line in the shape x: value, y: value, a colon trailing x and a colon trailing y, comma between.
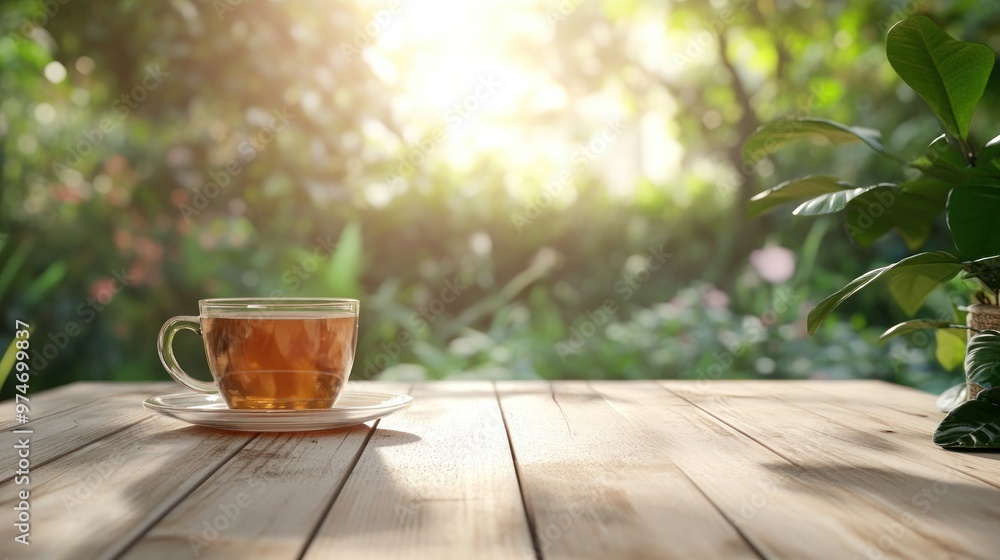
x: 109, y: 409
x: 435, y: 482
x: 892, y: 415
x: 599, y: 477
x: 92, y: 503
x: 935, y: 511
x: 267, y: 500
x: 774, y: 502
x: 758, y: 491
x: 70, y: 397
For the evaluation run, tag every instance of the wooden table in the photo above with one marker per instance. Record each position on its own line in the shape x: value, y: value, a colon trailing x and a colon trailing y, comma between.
x: 644, y: 469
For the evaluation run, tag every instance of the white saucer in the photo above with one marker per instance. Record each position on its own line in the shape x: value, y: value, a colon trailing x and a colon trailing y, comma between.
x: 209, y: 410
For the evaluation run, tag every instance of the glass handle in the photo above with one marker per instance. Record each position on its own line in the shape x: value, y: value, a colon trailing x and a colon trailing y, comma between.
x: 165, y: 348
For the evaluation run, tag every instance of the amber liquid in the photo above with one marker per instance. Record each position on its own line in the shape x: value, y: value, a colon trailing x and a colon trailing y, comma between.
x: 292, y: 361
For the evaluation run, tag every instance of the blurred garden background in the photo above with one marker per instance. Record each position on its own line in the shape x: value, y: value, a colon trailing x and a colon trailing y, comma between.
x: 524, y: 189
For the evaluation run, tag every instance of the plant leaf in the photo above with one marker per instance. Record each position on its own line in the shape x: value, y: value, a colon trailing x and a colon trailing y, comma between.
x: 950, y: 75
x: 986, y: 270
x: 777, y: 134
x: 952, y: 397
x: 950, y: 350
x: 833, y: 202
x: 904, y: 277
x: 990, y: 152
x: 973, y: 424
x: 913, y: 325
x: 796, y: 189
x: 982, y: 360
x: 931, y: 188
x: 8, y: 361
x: 910, y: 287
x: 941, y: 161
x: 875, y: 212
x: 343, y: 272
x: 972, y: 219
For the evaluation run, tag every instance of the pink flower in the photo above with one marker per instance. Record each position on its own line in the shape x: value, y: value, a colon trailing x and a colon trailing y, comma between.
x: 103, y: 289
x: 716, y: 298
x: 773, y: 263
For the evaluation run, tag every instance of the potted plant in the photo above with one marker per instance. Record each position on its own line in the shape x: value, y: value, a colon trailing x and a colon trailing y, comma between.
x: 975, y: 424
x: 953, y: 175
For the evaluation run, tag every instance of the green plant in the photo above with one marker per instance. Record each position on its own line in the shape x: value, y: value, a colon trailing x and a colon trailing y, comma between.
x: 697, y: 335
x: 976, y: 423
x: 952, y: 176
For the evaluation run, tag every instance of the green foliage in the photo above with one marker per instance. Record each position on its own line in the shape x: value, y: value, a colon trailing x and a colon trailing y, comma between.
x: 910, y: 281
x: 523, y: 291
x: 973, y: 424
x: 884, y: 207
x: 796, y: 189
x: 7, y: 361
x: 982, y: 362
x: 776, y: 135
x: 950, y: 351
x: 950, y: 75
x: 976, y: 424
x: 972, y: 219
x: 831, y: 203
x: 344, y: 270
x: 913, y: 325
x: 696, y: 335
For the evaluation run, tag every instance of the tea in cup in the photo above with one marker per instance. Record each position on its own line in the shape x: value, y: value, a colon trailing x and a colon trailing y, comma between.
x: 270, y: 353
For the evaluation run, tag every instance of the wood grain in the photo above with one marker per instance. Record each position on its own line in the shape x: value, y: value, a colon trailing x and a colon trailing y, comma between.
x: 599, y: 478
x: 61, y: 432
x: 435, y: 482
x: 766, y: 496
x: 267, y: 500
x: 92, y: 503
x: 644, y: 469
x: 897, y: 415
x: 76, y: 395
x: 934, y: 511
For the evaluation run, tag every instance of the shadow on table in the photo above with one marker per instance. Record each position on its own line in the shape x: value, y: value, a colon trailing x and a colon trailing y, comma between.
x: 926, y: 506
